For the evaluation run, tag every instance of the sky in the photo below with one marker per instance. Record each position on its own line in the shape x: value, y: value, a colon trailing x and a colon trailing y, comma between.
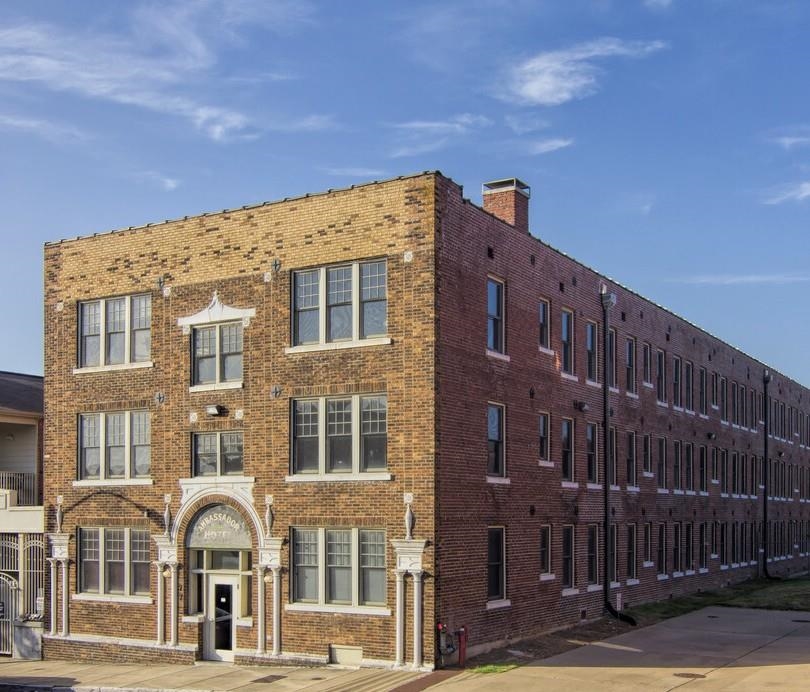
x: 666, y: 142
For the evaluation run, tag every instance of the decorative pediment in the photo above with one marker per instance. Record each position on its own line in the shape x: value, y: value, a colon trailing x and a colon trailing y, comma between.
x: 216, y: 311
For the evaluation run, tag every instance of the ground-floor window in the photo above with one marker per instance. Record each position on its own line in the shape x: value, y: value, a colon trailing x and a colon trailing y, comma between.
x: 114, y: 561
x: 342, y: 566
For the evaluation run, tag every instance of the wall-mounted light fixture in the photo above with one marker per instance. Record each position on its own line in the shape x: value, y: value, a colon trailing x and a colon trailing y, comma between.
x: 213, y: 410
x: 581, y: 406
x: 711, y: 436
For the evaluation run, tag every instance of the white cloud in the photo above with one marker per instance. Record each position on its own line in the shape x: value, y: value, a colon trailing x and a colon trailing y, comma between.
x: 53, y: 132
x: 545, y: 146
x: 741, y: 279
x: 523, y: 124
x: 555, y: 77
x: 354, y: 172
x: 424, y: 136
x: 161, y: 65
x: 793, y: 192
x: 168, y: 184
x: 790, y: 142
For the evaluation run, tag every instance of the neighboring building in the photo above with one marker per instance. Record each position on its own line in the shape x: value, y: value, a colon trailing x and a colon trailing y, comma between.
x: 310, y: 429
x: 22, y: 520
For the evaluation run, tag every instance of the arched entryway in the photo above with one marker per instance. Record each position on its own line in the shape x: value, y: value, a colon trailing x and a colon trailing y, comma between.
x: 220, y: 582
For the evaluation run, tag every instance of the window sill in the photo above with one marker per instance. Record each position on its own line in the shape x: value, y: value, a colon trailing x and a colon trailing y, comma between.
x: 193, y: 619
x: 690, y: 492
x: 547, y: 351
x: 338, y: 477
x: 593, y: 588
x: 714, y: 556
x: 715, y: 481
x: 87, y: 370
x: 633, y: 489
x: 676, y: 575
x: 677, y: 491
x: 593, y: 486
x: 615, y: 585
x: 613, y: 390
x: 677, y: 408
x: 546, y: 464
x: 215, y: 386
x: 569, y: 376
x: 704, y: 493
x: 112, y: 598
x: 725, y: 495
x: 570, y: 592
x: 663, y: 577
x: 631, y: 395
x: 689, y: 411
x: 497, y: 355
x: 632, y: 582
x: 723, y: 567
x: 703, y: 570
x: 338, y: 345
x: 593, y: 383
x: 500, y: 603
x: 615, y: 488
x: 335, y: 608
x: 690, y: 573
x: 647, y: 474
x: 111, y: 482
x: 663, y: 491
x: 648, y: 385
x: 703, y: 416
x: 499, y: 480
x: 569, y: 485
x: 648, y: 563
x: 662, y: 404
x: 547, y: 577
x: 244, y: 622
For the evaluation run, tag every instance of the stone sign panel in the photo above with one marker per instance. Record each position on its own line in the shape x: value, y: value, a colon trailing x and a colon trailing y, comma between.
x: 219, y: 527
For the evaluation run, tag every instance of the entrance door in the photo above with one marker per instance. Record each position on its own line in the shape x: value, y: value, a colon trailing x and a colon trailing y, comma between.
x: 220, y: 621
x: 8, y: 599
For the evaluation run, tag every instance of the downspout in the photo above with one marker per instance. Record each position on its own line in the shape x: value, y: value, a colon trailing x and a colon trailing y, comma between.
x: 608, y: 301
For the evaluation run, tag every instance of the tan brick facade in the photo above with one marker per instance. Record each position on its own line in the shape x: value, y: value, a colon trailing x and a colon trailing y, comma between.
x: 433, y: 368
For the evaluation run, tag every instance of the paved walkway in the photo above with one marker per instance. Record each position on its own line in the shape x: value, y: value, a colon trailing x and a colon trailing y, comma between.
x: 98, y: 677
x: 711, y: 649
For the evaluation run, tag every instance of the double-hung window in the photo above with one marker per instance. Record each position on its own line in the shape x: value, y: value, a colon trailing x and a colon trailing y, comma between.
x: 114, y: 446
x: 689, y: 452
x: 612, y: 457
x: 688, y: 384
x: 340, y: 435
x: 632, y: 474
x: 702, y: 408
x: 646, y: 363
x: 676, y: 381
x: 543, y: 324
x: 217, y: 454
x: 567, y: 449
x: 591, y: 445
x: 630, y: 365
x: 217, y: 354
x: 543, y: 422
x: 611, y: 359
x: 115, y: 331
x: 631, y: 551
x: 496, y: 564
x: 344, y: 303
x: 567, y: 341
x: 592, y: 351
x: 495, y: 440
x: 495, y: 316
x: 545, y: 549
x: 660, y: 376
x: 662, y: 462
x: 593, y: 554
x: 661, y: 561
x: 114, y: 561
x: 677, y: 470
x: 568, y: 575
x: 338, y: 567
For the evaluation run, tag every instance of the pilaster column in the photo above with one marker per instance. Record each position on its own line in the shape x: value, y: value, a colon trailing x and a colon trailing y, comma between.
x: 276, y: 610
x: 261, y: 644
x: 417, y: 618
x: 65, y: 623
x: 173, y: 611
x: 160, y: 603
x: 54, y: 590
x: 400, y: 619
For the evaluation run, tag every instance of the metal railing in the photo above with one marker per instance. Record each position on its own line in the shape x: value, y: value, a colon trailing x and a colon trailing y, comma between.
x: 25, y: 484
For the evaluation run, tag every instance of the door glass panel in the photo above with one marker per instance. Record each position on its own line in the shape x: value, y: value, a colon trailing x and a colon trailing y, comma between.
x: 223, y: 616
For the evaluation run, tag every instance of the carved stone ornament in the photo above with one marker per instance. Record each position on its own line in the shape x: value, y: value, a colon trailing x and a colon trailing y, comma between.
x: 410, y: 522
x: 216, y: 311
x: 59, y: 545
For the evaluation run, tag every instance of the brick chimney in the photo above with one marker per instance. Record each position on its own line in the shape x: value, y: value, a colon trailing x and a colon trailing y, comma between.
x: 508, y: 199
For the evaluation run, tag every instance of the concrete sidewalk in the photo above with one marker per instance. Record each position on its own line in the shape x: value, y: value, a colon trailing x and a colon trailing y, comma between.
x: 711, y: 649
x: 96, y: 677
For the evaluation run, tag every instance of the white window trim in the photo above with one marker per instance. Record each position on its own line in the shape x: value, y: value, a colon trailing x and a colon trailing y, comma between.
x: 103, y: 366
x: 219, y: 434
x: 127, y: 478
x: 322, y: 605
x: 101, y: 594
x: 355, y: 474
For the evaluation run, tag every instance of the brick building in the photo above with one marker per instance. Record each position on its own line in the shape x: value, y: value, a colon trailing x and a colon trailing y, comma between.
x: 310, y: 429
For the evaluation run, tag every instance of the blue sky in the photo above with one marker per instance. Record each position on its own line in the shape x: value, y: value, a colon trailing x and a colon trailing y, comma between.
x: 667, y: 142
